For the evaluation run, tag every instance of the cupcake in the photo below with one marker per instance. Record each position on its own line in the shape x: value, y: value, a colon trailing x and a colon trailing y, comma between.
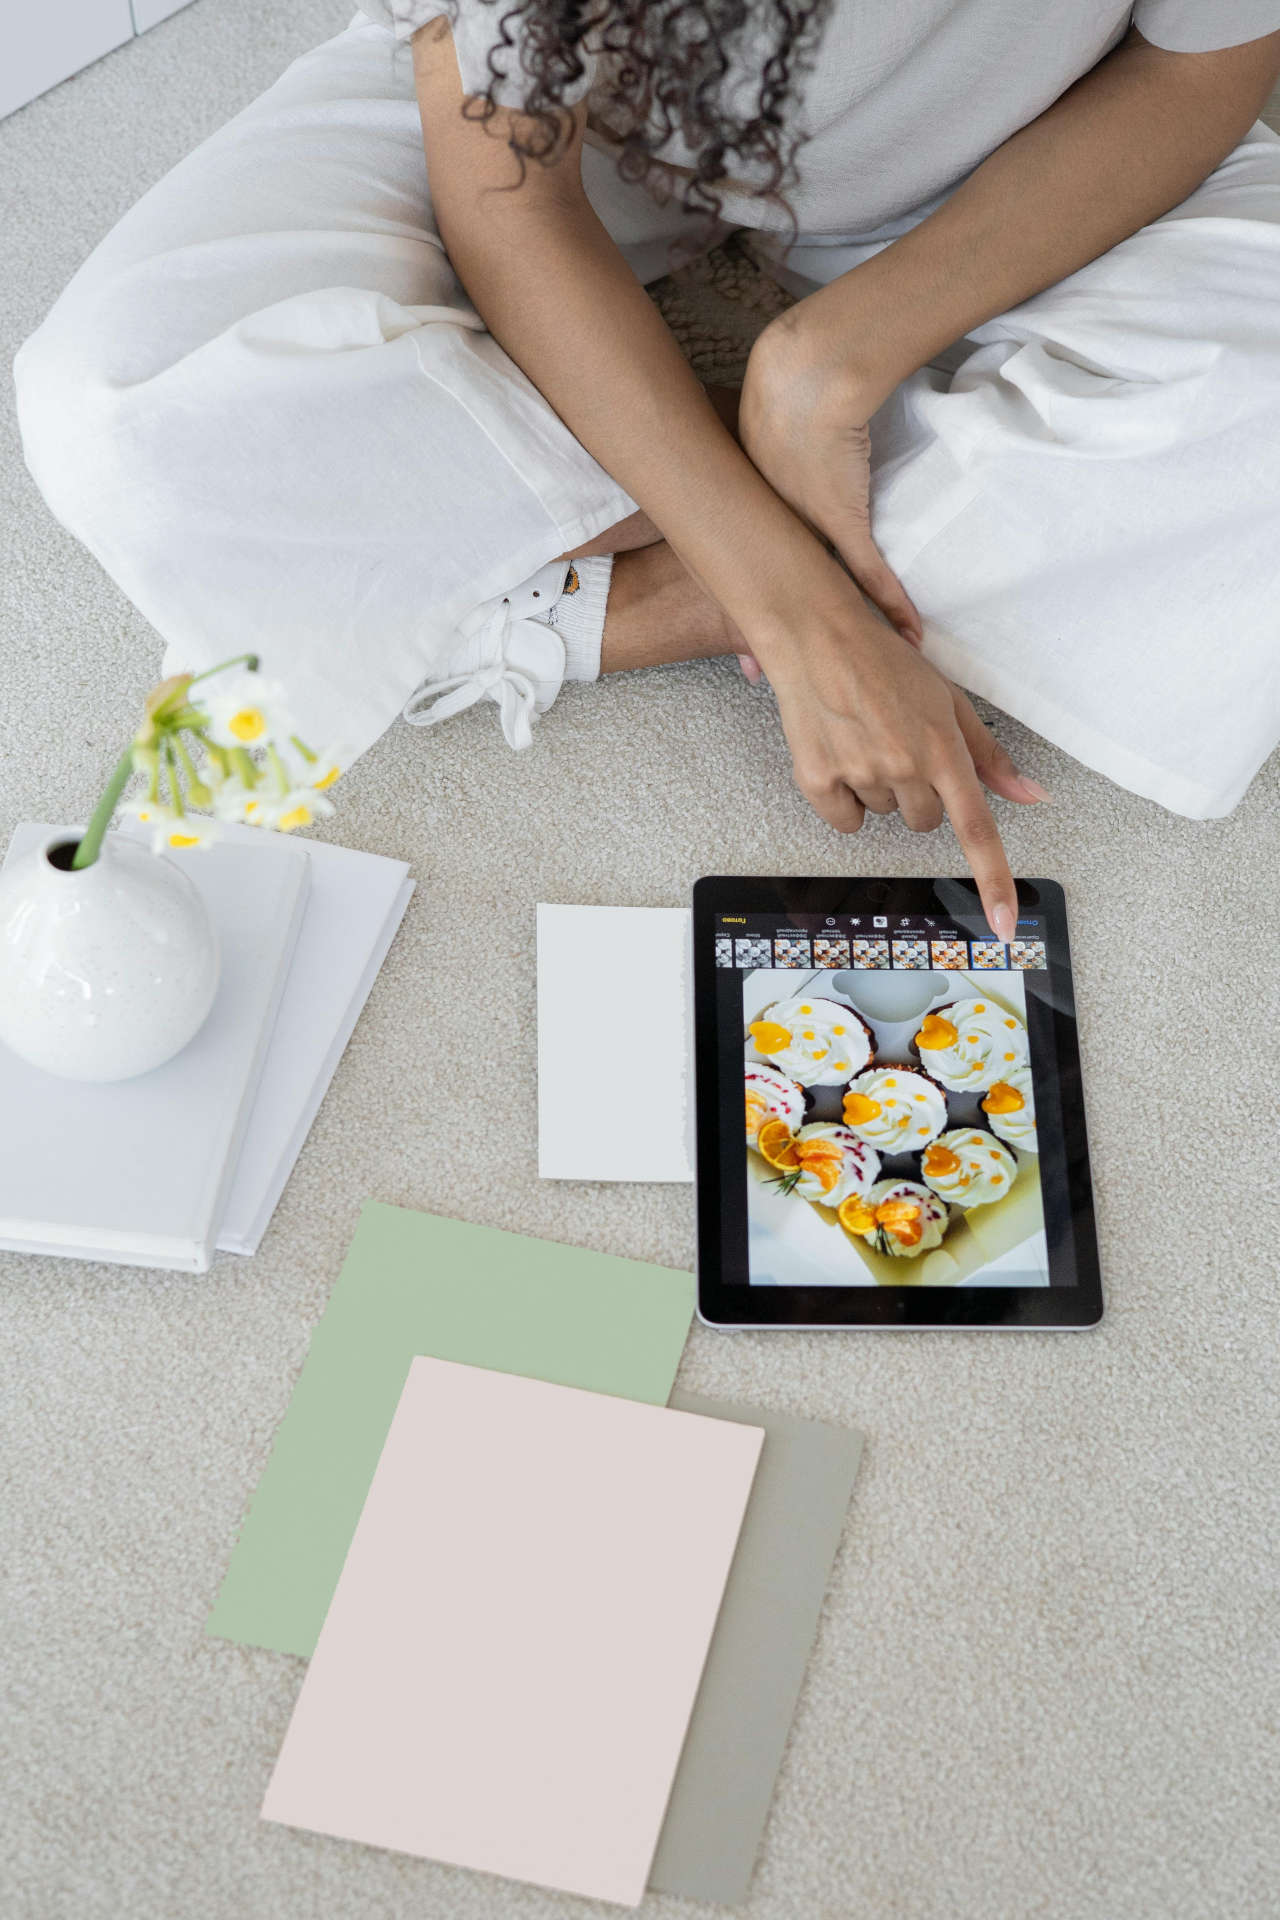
x: 1010, y: 1105
x: 969, y: 1043
x: 824, y: 1162
x: 895, y: 1109
x: 967, y: 1168
x: 771, y: 1096
x: 818, y: 1042
x: 898, y: 1217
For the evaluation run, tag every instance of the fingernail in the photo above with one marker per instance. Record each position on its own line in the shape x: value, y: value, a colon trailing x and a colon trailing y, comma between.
x: 1033, y: 788
x: 1003, y: 922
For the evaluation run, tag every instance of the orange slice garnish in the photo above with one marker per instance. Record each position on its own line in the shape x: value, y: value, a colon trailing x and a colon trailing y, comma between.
x: 902, y: 1219
x: 776, y: 1142
x: 855, y: 1215
x: 823, y: 1158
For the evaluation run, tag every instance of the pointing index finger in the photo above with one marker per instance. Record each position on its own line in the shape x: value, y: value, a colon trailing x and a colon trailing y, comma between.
x: 979, y: 837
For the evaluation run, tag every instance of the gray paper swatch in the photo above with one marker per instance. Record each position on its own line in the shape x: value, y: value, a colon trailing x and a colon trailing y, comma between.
x: 761, y: 1646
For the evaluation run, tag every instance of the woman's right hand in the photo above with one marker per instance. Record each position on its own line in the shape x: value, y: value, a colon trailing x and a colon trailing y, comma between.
x: 871, y: 725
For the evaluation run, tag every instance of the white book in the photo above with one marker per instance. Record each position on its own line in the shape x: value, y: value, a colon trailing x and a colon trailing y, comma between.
x: 356, y: 903
x: 139, y: 1171
x: 615, y: 1043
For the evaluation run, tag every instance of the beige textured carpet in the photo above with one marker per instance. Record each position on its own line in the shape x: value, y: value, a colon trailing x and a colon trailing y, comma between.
x: 1045, y: 1682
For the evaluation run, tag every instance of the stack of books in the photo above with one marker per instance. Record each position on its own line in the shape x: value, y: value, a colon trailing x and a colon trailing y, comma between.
x: 165, y: 1169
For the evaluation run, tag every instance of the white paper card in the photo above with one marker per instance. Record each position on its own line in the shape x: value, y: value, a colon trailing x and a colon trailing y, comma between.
x: 615, y: 1043
x: 506, y: 1672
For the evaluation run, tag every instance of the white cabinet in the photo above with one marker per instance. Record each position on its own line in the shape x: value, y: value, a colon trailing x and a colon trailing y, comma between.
x: 44, y: 41
x: 149, y: 13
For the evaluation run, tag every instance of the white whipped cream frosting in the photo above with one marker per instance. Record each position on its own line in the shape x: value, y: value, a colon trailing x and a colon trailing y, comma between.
x: 933, y: 1219
x: 1019, y: 1126
x: 967, y: 1168
x: 909, y: 1110
x: 770, y: 1095
x: 988, y: 1043
x: 821, y: 1043
x: 857, y: 1168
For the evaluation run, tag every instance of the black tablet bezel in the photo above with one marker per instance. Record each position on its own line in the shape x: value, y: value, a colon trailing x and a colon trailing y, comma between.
x: 1074, y: 1297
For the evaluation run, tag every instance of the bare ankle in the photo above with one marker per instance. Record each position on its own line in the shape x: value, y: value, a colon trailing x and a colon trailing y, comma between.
x: 658, y: 614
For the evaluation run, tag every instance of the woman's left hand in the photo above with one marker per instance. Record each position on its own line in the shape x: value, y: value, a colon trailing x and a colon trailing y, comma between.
x: 802, y: 420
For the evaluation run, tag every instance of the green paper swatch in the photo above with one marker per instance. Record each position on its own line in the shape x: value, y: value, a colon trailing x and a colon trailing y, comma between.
x: 414, y: 1283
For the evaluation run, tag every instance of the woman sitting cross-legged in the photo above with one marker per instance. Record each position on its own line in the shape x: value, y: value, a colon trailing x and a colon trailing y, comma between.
x: 413, y: 416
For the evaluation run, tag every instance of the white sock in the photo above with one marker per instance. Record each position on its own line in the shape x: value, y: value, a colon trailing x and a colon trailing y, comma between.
x: 578, y: 615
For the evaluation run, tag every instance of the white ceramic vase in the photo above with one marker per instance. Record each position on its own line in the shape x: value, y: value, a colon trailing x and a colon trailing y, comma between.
x: 106, y: 972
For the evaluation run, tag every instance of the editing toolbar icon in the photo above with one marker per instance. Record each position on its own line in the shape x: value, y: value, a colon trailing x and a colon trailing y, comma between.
x: 879, y: 920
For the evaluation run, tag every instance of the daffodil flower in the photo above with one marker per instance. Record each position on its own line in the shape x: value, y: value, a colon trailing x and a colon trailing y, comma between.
x: 320, y: 770
x: 220, y: 740
x: 233, y: 800
x: 191, y: 831
x: 244, y: 710
x: 286, y: 812
x: 171, y: 830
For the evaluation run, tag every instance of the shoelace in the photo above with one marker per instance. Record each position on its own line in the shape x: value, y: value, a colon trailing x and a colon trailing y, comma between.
x: 514, y: 691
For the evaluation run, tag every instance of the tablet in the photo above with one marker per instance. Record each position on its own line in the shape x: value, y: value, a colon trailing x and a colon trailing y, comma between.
x: 914, y: 1151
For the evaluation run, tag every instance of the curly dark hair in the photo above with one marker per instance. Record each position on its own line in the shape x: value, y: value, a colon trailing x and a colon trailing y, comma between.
x: 671, y: 68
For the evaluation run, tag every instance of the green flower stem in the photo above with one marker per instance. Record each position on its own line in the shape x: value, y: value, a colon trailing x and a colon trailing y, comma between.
x: 242, y: 761
x: 147, y: 760
x: 197, y: 792
x: 219, y: 758
x: 277, y: 766
x: 249, y: 660
x: 303, y: 749
x: 175, y: 785
x: 91, y: 844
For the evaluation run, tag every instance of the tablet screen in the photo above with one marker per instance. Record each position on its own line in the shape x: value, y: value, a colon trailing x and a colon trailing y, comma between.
x: 893, y: 1083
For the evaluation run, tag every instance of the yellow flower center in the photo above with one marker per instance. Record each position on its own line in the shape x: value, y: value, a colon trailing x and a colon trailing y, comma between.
x: 249, y: 724
x: 326, y: 779
x: 184, y: 840
x: 296, y: 817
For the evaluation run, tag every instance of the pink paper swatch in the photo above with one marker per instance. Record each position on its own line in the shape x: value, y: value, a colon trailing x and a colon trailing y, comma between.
x: 505, y: 1675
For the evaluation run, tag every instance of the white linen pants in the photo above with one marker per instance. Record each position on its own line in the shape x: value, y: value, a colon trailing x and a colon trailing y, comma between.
x: 267, y: 407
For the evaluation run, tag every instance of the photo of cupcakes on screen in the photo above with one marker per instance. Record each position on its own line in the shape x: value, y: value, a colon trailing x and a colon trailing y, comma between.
x: 968, y: 1168
x: 967, y: 1044
x: 770, y: 1095
x: 898, y: 1217
x: 815, y: 1041
x: 895, y: 1109
x: 1010, y: 1106
x: 823, y: 1163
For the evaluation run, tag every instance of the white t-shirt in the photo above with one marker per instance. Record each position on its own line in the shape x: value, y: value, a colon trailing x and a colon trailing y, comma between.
x: 905, y: 97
